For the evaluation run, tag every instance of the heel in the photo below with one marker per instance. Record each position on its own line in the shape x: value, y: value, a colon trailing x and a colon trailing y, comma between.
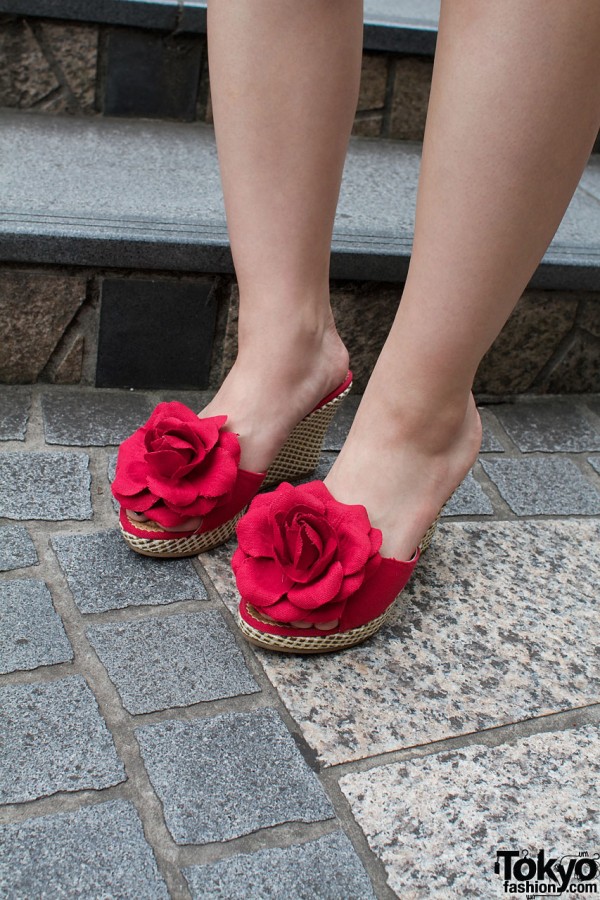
x: 300, y: 454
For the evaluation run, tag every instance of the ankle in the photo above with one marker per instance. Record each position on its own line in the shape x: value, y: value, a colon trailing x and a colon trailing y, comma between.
x: 434, y: 423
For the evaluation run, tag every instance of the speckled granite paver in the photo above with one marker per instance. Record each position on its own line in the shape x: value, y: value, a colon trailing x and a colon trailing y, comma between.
x: 221, y: 777
x: 94, y: 418
x: 16, y: 548
x: 437, y: 822
x: 595, y: 462
x: 15, y: 403
x: 325, y: 869
x: 172, y: 661
x: 54, y: 740
x: 31, y: 632
x: 549, y: 426
x: 96, y: 852
x: 552, y: 486
x: 103, y: 573
x: 469, y: 499
x: 498, y: 624
x: 48, y: 486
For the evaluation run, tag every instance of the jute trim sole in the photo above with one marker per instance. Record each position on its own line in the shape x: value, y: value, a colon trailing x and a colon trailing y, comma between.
x: 325, y: 644
x: 175, y: 548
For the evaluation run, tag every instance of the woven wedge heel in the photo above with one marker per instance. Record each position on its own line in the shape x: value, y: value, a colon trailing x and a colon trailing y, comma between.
x: 179, y: 466
x: 300, y: 454
x: 303, y: 555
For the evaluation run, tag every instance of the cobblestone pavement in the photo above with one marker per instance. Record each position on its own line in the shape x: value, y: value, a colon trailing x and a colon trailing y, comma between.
x: 150, y: 752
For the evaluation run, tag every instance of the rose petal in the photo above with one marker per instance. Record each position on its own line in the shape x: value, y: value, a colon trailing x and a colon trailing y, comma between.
x: 254, y: 532
x: 261, y: 581
x: 216, y: 476
x: 323, y: 590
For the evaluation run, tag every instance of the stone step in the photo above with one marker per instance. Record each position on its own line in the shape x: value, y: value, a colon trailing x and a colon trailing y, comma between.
x: 139, y: 194
x: 115, y: 266
x: 404, y: 26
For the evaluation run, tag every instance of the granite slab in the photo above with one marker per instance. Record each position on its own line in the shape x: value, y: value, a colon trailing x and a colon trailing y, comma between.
x: 171, y: 661
x: 327, y: 868
x: 498, y: 624
x: 93, y: 418
x: 469, y: 499
x: 17, y: 550
x: 438, y: 822
x: 32, y: 633
x: 47, y: 486
x: 15, y: 403
x: 221, y: 777
x: 54, y: 739
x: 550, y: 486
x: 72, y: 855
x: 549, y: 426
x: 103, y: 573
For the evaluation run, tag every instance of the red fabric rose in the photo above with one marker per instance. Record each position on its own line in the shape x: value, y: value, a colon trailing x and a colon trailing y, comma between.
x: 301, y: 553
x: 177, y: 466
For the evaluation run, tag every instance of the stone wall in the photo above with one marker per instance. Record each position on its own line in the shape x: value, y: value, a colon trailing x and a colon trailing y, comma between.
x: 551, y: 343
x: 71, y: 68
x: 66, y: 67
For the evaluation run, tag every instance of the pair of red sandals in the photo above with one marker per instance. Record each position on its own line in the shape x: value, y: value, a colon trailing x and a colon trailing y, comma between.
x: 301, y: 554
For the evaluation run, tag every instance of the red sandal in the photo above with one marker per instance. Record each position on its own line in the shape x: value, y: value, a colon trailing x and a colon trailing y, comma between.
x: 304, y: 555
x: 179, y: 466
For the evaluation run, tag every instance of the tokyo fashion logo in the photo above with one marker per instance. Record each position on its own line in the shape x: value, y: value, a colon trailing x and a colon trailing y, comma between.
x: 539, y: 875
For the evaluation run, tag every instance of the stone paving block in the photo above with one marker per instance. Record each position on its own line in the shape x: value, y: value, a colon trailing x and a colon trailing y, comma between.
x: 172, y: 661
x: 489, y: 442
x: 93, y: 418
x: 498, y: 624
x: 46, y: 486
x: 548, y: 426
x: 103, y: 573
x: 73, y: 855
x: 340, y: 424
x: 16, y: 548
x: 32, y: 632
x: 54, y: 740
x: 593, y: 403
x: 222, y: 777
x: 469, y: 499
x: 15, y: 403
x: 436, y: 823
x: 595, y: 462
x: 327, y: 868
x: 553, y: 486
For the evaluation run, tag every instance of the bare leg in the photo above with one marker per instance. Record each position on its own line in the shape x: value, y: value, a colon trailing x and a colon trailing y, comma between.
x: 284, y: 78
x: 514, y: 109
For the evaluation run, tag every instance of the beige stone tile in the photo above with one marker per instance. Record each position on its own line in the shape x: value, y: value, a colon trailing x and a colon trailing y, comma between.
x: 527, y: 342
x: 498, y: 624
x: 75, y: 49
x: 410, y: 99
x: 39, y: 307
x: 437, y: 822
x: 373, y: 81
x: 25, y: 75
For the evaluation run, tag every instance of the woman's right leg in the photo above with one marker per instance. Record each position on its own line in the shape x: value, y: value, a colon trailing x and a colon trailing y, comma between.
x: 285, y: 77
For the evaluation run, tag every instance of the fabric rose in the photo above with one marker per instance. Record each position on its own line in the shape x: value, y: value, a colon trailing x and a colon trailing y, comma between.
x: 301, y: 553
x: 177, y: 466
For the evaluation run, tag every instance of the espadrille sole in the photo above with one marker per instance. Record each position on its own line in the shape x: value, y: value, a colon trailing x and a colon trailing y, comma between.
x: 297, y: 458
x: 300, y: 453
x: 327, y: 643
x: 191, y: 545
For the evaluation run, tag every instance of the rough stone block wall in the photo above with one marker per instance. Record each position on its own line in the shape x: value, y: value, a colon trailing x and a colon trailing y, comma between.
x: 551, y: 343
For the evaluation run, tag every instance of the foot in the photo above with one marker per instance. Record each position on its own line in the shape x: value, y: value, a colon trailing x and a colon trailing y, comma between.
x: 269, y: 390
x: 402, y: 467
